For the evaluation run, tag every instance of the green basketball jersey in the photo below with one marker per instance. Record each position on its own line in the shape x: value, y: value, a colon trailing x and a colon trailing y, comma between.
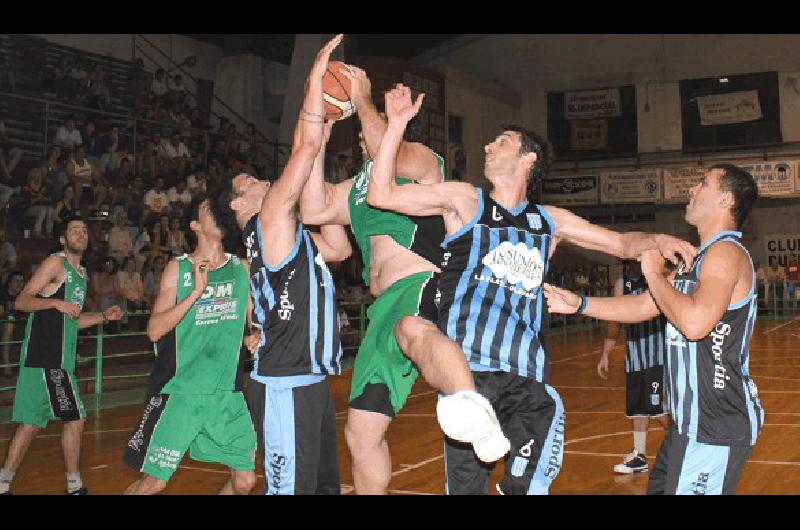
x: 405, y: 231
x: 51, y: 336
x: 201, y: 355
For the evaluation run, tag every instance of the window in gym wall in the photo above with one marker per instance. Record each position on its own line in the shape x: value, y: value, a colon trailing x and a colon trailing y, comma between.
x: 730, y: 111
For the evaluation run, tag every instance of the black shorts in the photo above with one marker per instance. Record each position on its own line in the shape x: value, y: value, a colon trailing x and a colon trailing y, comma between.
x: 644, y: 393
x: 532, y: 417
x: 374, y: 398
x: 296, y: 429
x: 685, y: 466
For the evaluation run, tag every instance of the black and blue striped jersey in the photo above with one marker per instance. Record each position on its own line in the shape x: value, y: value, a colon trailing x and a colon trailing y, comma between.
x: 645, y: 339
x: 295, y: 307
x: 711, y: 396
x: 490, y: 292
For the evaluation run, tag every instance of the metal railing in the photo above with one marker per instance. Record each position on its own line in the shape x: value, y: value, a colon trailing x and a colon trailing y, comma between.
x: 352, y: 334
x: 272, y: 153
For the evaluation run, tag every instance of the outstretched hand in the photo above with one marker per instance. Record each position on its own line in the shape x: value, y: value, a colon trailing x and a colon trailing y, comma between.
x: 322, y: 58
x: 399, y: 106
x: 670, y: 247
x: 561, y: 301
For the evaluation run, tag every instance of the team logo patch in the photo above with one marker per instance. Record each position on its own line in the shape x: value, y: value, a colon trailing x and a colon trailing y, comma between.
x: 516, y: 264
x: 535, y: 221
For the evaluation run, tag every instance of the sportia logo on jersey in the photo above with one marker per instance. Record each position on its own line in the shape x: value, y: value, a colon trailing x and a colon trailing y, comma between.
x: 285, y: 312
x: 516, y: 263
x: 717, y: 342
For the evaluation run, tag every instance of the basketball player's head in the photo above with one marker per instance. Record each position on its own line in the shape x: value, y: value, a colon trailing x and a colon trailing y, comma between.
x: 517, y: 153
x: 239, y: 199
x: 210, y: 219
x: 75, y: 238
x: 725, y: 191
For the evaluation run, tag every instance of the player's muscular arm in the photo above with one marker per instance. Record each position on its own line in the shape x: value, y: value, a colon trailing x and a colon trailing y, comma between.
x: 696, y: 314
x: 167, y: 311
x: 321, y: 202
x: 51, y: 270
x: 629, y: 245
x: 623, y: 309
x: 414, y: 160
x: 455, y: 201
x: 88, y: 320
x: 333, y: 243
x: 279, y: 208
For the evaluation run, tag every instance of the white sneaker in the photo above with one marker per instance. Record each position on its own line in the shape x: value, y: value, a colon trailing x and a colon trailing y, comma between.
x: 467, y: 416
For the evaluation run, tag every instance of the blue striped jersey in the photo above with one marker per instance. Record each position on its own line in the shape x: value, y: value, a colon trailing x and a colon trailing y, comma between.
x: 294, y: 304
x: 711, y: 396
x: 490, y: 292
x: 645, y: 339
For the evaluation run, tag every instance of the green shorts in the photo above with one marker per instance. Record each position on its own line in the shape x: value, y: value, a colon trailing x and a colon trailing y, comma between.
x: 379, y: 360
x: 213, y: 427
x: 45, y: 394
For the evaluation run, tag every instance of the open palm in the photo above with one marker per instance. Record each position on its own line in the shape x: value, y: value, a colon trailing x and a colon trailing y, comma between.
x: 399, y: 105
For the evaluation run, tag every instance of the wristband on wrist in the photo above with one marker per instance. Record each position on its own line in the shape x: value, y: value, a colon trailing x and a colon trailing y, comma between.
x: 582, y: 307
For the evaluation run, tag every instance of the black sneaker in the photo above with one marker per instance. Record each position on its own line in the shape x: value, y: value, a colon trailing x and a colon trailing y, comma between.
x: 632, y: 463
x: 82, y: 491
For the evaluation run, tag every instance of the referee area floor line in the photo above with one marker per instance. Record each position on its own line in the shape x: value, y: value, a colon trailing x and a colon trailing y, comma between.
x: 565, y: 359
x: 770, y: 330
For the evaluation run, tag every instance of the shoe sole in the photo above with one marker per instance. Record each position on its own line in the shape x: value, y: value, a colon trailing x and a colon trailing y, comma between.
x: 631, y: 471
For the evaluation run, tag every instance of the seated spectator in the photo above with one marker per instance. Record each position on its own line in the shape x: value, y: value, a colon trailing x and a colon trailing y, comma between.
x: 54, y: 171
x: 152, y: 279
x: 176, y: 239
x: 196, y: 184
x: 67, y: 136
x: 179, y: 193
x: 39, y: 204
x: 92, y: 142
x: 86, y: 178
x: 103, y: 285
x: 108, y: 147
x: 120, y: 244
x: 8, y: 256
x: 148, y: 162
x: 97, y: 94
x: 59, y: 80
x: 158, y: 88
x: 14, y: 325
x: 64, y: 209
x: 177, y: 91
x: 129, y: 287
x: 175, y: 152
x: 156, y: 202
x: 138, y: 81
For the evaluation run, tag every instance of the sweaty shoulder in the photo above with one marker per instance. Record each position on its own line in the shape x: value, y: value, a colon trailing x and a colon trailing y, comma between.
x: 726, y: 257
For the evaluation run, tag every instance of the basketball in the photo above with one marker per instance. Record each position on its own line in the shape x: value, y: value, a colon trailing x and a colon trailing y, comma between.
x: 336, y: 91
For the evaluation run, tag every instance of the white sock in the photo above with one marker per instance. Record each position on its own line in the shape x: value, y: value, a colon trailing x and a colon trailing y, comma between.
x: 74, y: 482
x: 640, y: 441
x: 6, y: 477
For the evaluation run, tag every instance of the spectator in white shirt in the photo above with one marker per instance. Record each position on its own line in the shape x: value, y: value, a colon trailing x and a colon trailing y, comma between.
x: 176, y: 153
x: 156, y: 202
x: 67, y: 136
x: 158, y: 88
x: 179, y: 194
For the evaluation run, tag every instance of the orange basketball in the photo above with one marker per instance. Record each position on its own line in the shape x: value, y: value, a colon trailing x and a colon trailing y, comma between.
x: 336, y: 91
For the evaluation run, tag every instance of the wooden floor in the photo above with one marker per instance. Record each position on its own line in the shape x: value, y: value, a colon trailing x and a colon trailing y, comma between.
x: 597, y: 432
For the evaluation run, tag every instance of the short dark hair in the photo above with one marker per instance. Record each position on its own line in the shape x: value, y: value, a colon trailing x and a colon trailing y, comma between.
x: 69, y: 219
x: 530, y: 142
x: 742, y: 186
x: 219, y: 197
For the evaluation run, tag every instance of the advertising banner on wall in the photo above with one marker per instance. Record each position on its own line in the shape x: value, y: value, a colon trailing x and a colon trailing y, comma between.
x: 734, y: 107
x: 782, y: 248
x: 678, y: 181
x: 589, y: 135
x: 570, y: 190
x: 773, y: 178
x: 588, y: 104
x: 639, y: 186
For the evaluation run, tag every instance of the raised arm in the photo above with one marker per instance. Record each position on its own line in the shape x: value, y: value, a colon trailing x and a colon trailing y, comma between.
x: 455, y: 201
x: 414, y: 160
x: 628, y: 245
x: 167, y: 311
x: 724, y: 277
x: 279, y: 208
